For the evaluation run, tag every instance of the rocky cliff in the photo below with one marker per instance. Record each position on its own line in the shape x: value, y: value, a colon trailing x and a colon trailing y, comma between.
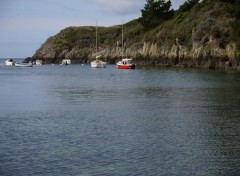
x: 201, y: 37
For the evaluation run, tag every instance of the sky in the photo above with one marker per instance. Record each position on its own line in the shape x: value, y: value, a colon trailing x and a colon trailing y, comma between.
x: 26, y: 24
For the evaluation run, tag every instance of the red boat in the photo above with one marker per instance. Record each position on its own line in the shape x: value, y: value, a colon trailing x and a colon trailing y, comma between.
x: 125, y: 64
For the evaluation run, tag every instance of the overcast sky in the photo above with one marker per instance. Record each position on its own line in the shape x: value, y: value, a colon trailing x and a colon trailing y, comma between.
x: 26, y: 24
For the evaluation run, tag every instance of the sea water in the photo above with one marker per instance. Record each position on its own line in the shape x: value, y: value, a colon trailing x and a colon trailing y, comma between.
x: 76, y: 120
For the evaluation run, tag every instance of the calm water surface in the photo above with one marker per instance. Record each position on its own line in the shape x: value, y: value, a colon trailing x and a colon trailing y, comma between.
x: 75, y: 120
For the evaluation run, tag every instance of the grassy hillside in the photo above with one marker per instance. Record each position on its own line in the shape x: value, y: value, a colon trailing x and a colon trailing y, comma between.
x: 207, y: 30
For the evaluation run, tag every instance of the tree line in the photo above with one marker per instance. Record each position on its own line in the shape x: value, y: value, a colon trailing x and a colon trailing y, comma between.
x: 155, y: 12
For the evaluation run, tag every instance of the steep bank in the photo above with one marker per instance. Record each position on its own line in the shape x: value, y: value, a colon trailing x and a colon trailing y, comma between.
x: 200, y: 37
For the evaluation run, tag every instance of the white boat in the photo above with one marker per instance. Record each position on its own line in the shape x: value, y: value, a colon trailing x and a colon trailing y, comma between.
x: 125, y: 63
x: 39, y: 62
x: 97, y: 63
x: 10, y: 62
x: 23, y: 65
x: 66, y: 62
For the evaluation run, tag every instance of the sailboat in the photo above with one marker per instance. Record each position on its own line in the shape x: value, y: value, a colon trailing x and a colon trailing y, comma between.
x: 125, y: 63
x: 97, y: 63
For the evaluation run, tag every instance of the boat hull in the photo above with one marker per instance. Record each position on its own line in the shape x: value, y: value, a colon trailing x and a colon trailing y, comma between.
x: 23, y: 65
x: 98, y: 64
x: 126, y: 66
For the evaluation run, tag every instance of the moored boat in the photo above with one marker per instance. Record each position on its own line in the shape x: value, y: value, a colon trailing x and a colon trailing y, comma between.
x: 23, y: 65
x: 125, y: 63
x: 39, y: 62
x: 66, y: 62
x: 10, y: 62
x: 97, y: 63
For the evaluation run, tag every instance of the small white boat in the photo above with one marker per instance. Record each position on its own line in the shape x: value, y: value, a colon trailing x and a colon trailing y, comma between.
x: 66, y: 62
x: 39, y: 62
x: 98, y: 63
x: 23, y: 65
x: 10, y: 62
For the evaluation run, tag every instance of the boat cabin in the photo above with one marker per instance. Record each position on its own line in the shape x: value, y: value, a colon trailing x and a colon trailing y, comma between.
x: 66, y: 62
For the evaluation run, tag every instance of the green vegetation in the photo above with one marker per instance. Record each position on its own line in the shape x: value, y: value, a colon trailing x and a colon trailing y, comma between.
x: 235, y: 13
x: 187, y: 6
x: 155, y: 13
x: 208, y: 26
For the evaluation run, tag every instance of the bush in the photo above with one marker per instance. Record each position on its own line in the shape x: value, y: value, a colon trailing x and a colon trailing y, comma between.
x: 188, y: 5
x: 155, y: 13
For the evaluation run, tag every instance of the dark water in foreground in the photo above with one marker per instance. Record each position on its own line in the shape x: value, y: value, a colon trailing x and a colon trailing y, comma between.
x: 75, y: 120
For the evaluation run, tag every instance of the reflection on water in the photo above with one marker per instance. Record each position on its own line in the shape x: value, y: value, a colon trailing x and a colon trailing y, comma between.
x: 74, y: 120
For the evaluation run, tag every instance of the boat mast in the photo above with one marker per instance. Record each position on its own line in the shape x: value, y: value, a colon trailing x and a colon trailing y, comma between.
x: 122, y: 38
x: 96, y: 38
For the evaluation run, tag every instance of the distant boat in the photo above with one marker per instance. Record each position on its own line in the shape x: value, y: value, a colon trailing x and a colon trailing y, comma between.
x: 66, y: 62
x: 10, y: 62
x: 97, y: 63
x: 23, y: 65
x: 125, y: 63
x: 39, y: 62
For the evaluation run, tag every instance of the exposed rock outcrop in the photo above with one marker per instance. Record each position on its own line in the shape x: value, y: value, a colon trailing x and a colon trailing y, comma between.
x: 191, y: 42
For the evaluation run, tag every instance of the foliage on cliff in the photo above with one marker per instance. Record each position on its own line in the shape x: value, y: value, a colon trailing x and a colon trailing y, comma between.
x: 198, y: 30
x: 155, y: 13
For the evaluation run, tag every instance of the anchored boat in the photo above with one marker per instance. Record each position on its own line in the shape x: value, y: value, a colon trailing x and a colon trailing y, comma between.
x: 10, y: 62
x: 66, y: 62
x: 23, y: 65
x: 97, y: 63
x: 125, y: 63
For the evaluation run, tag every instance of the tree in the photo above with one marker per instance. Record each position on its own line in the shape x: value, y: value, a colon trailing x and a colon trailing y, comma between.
x: 187, y: 5
x: 229, y: 1
x: 155, y: 13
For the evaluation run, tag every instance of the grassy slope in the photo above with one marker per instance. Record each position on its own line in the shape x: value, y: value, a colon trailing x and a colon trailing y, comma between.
x: 206, y: 19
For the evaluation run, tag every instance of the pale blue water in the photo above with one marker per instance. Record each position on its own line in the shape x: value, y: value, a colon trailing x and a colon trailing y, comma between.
x: 75, y: 120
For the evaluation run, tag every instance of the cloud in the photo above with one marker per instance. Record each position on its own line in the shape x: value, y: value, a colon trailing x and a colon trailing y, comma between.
x: 177, y: 3
x: 121, y: 6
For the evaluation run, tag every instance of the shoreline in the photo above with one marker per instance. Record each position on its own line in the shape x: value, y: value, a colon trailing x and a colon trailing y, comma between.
x: 212, y: 63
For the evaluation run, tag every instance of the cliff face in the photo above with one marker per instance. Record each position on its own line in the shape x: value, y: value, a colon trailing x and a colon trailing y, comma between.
x: 201, y: 37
